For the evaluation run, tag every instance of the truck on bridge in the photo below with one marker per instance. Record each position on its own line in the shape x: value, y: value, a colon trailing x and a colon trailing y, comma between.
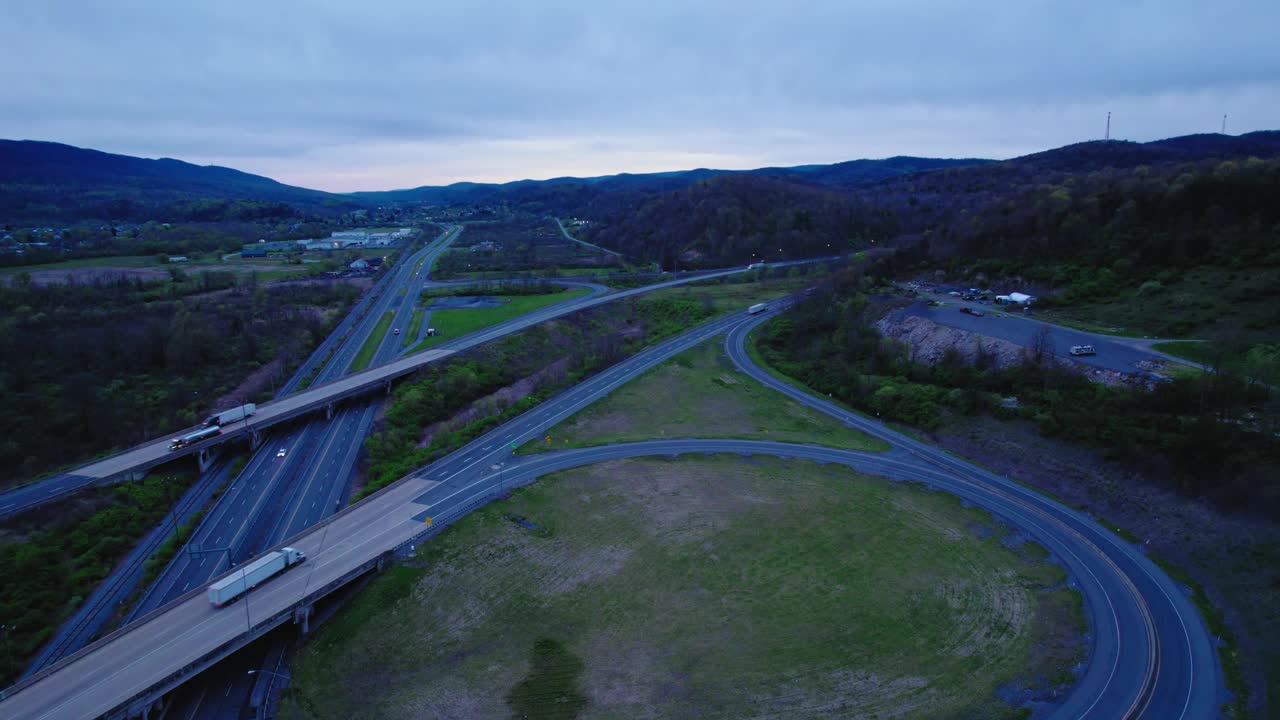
x: 195, y: 437
x: 226, y: 417
x: 248, y: 577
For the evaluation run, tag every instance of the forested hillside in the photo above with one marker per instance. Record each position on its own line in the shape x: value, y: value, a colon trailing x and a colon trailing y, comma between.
x: 596, y: 195
x: 88, y: 366
x: 1094, y: 221
x: 739, y: 219
x: 43, y: 182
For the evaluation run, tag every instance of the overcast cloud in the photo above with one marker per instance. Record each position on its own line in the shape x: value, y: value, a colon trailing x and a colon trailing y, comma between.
x: 377, y: 95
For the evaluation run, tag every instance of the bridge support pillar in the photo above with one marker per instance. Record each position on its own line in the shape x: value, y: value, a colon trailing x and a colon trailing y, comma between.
x: 302, y: 616
x: 328, y: 411
x: 255, y: 439
x: 387, y: 385
x: 205, y: 458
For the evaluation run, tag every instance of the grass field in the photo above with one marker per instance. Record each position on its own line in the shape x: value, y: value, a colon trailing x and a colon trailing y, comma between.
x: 708, y: 587
x: 451, y: 324
x: 699, y: 394
x: 726, y: 297
x: 371, y: 343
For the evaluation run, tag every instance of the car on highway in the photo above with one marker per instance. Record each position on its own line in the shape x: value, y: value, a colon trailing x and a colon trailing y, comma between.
x: 1083, y: 350
x: 282, y: 452
x: 395, y: 331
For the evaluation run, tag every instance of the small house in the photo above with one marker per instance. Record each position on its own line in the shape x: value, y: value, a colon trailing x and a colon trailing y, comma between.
x: 359, y: 265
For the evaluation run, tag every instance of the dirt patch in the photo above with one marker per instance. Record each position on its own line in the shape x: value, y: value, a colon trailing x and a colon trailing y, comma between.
x: 252, y: 386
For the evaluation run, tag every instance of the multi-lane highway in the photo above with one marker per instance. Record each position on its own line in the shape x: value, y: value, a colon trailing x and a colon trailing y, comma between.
x: 1152, y: 656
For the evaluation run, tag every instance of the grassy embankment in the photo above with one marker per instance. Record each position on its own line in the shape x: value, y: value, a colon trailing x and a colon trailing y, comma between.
x: 51, y: 569
x: 371, y: 343
x: 602, y: 336
x: 1208, y: 301
x: 695, y: 587
x: 724, y: 297
x: 699, y: 394
x: 450, y: 324
x: 415, y: 325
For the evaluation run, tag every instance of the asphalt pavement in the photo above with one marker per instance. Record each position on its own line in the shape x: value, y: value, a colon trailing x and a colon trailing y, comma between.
x: 1114, y: 353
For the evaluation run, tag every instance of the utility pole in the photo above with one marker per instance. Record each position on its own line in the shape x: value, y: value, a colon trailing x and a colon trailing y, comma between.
x: 1224, y: 124
x: 1108, y: 135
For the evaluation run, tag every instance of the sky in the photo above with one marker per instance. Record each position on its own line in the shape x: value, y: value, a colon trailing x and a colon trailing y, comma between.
x: 379, y: 95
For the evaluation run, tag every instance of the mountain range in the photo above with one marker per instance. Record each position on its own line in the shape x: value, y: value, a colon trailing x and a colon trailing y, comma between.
x: 52, y: 182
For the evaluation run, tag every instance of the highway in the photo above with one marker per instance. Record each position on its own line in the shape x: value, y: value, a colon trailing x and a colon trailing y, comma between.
x: 186, y: 570
x: 317, y: 396
x: 276, y: 497
x: 1152, y: 656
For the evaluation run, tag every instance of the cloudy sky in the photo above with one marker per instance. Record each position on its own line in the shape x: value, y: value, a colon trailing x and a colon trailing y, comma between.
x: 380, y: 94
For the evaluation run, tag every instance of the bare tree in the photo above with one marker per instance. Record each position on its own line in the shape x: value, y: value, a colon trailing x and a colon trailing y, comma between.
x: 1042, y: 346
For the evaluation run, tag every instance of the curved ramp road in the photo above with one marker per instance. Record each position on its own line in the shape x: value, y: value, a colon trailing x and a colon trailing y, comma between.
x: 1152, y: 656
x: 1166, y: 654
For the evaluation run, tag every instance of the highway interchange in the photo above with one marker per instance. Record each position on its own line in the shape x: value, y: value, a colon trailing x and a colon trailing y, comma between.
x: 1151, y: 652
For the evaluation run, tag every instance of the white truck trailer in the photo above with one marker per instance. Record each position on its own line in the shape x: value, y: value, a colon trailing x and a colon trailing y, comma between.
x: 758, y: 308
x: 250, y: 576
x: 226, y: 417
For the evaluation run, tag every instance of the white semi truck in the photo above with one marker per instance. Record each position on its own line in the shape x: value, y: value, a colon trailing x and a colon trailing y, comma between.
x: 195, y: 437
x: 226, y: 417
x: 250, y: 576
x: 757, y: 308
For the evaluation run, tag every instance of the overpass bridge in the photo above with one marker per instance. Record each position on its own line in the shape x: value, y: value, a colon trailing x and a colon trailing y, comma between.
x: 126, y: 673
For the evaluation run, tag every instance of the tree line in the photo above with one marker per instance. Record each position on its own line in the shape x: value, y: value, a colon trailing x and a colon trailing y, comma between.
x: 85, y: 367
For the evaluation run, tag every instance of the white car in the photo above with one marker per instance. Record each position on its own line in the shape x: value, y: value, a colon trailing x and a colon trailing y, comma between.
x: 1083, y: 350
x: 282, y: 452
